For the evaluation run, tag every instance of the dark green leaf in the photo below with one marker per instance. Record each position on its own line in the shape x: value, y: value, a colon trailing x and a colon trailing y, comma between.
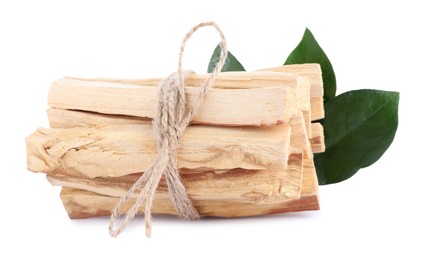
x: 359, y: 126
x: 309, y: 51
x: 231, y: 64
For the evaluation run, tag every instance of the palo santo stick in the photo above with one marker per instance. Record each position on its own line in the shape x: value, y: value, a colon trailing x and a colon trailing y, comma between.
x: 317, y: 138
x: 244, y: 106
x: 118, y: 150
x: 225, y: 80
x: 317, y: 108
x: 258, y: 79
x: 264, y: 77
x: 310, y: 70
x: 304, y: 103
x: 61, y: 118
x: 311, y: 106
x: 239, y: 80
x: 314, y: 73
x: 85, y: 204
x: 299, y: 137
x: 247, y: 186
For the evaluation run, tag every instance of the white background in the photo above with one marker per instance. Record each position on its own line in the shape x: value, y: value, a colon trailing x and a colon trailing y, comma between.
x: 380, y: 213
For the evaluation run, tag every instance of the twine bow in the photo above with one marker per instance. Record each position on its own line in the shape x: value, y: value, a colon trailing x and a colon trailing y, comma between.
x: 169, y: 123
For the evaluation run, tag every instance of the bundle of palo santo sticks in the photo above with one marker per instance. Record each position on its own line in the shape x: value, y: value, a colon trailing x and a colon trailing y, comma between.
x: 249, y: 150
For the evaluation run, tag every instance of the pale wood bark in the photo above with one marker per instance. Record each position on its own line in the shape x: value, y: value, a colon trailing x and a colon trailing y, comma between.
x: 252, y: 186
x: 119, y: 150
x: 85, y: 204
x: 265, y: 105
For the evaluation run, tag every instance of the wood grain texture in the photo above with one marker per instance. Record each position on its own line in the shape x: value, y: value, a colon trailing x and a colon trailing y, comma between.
x: 118, y: 150
x: 257, y: 79
x: 84, y: 204
x: 225, y: 80
x: 310, y: 70
x: 314, y: 73
x: 222, y: 106
x: 102, y: 140
x: 317, y: 108
x: 317, y: 138
x: 251, y: 186
x: 65, y: 118
x: 299, y: 137
x: 62, y: 118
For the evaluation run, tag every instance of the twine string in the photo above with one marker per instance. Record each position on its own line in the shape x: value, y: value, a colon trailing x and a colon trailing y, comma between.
x: 169, y: 123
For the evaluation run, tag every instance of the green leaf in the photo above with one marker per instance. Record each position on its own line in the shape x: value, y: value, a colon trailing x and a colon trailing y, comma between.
x: 359, y: 126
x: 231, y: 64
x: 309, y: 51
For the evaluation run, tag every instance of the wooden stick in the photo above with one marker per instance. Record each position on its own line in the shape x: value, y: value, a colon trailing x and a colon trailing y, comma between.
x: 304, y: 102
x: 85, y: 204
x: 257, y: 79
x: 230, y: 80
x: 241, y: 80
x: 222, y: 106
x: 317, y: 108
x: 61, y: 118
x: 225, y: 80
x: 314, y: 73
x: 299, y: 137
x: 119, y: 150
x: 317, y: 138
x: 252, y: 186
x: 310, y: 70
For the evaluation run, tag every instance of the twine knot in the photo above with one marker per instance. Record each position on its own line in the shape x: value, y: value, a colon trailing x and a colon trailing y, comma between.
x: 169, y: 123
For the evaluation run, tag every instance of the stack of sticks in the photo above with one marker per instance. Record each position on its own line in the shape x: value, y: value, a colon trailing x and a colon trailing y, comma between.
x: 248, y: 151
